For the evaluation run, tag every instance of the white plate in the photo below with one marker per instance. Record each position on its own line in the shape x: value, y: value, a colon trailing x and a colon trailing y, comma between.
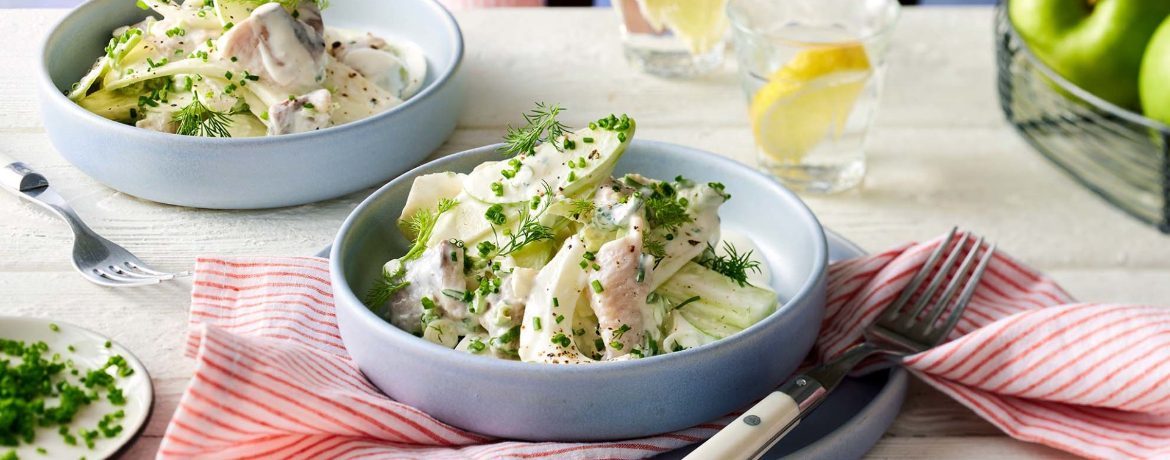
x: 90, y: 352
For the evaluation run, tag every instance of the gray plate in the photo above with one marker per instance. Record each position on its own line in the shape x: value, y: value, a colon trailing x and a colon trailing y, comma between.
x: 854, y: 417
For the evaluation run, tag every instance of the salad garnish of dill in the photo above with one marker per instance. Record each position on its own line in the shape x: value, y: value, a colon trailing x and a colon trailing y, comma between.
x: 732, y: 265
x: 541, y: 120
x: 422, y: 224
x: 197, y: 119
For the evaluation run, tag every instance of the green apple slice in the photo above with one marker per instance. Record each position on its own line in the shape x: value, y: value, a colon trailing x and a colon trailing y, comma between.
x: 589, y: 158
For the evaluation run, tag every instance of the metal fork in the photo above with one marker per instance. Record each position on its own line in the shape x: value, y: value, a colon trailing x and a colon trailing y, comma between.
x: 902, y: 329
x: 98, y: 259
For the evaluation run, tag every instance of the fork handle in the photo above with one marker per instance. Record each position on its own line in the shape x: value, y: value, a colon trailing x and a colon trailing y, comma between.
x: 22, y: 181
x: 17, y: 177
x: 752, y: 434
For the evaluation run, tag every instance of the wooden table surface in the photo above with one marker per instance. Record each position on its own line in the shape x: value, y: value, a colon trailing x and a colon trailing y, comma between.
x: 940, y: 155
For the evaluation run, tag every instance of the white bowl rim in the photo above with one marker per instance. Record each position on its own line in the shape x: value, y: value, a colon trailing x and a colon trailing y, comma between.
x: 146, y: 135
x: 398, y: 337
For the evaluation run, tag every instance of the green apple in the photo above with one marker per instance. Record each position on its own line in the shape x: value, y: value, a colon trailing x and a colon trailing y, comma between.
x: 1096, y: 45
x: 1154, y: 82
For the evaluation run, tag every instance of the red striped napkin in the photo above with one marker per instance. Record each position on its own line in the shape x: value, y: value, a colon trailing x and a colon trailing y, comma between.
x: 273, y: 380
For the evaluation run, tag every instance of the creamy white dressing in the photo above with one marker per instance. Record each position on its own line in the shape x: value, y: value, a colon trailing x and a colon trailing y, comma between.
x: 608, y: 280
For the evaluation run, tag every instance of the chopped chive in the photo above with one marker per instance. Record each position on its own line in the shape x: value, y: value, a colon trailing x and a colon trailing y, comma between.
x: 228, y: 26
x: 53, y: 327
x: 616, y: 345
x: 536, y: 323
x: 228, y: 75
x: 596, y: 267
x: 561, y: 339
x: 556, y: 303
x: 589, y: 255
x: 309, y: 105
x: 579, y: 332
x: 587, y: 140
x: 109, y: 344
x: 476, y: 346
x: 497, y: 188
x: 599, y: 344
x: 508, y: 173
x: 621, y: 137
x: 463, y: 296
x: 685, y: 302
x: 597, y: 286
x: 572, y: 176
x: 427, y: 303
x: 560, y: 318
x: 584, y: 264
x: 291, y: 97
x: 592, y: 126
x: 264, y: 116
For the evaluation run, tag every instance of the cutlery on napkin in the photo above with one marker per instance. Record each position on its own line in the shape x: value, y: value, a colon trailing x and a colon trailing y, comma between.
x: 273, y: 380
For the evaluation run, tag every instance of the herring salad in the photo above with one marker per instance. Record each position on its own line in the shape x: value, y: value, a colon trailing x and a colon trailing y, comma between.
x: 546, y: 257
x: 240, y: 68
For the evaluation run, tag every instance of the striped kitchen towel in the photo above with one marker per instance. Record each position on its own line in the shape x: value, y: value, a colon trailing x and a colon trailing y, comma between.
x: 273, y: 380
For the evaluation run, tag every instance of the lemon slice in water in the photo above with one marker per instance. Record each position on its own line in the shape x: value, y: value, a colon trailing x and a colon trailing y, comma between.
x: 699, y: 23
x: 807, y: 100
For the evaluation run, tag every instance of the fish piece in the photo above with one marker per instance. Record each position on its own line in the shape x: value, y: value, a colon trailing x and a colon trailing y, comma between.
x: 283, y: 51
x: 309, y: 112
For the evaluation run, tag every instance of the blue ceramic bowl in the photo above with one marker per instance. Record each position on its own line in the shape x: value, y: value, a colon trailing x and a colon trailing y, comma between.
x: 261, y: 172
x: 614, y: 400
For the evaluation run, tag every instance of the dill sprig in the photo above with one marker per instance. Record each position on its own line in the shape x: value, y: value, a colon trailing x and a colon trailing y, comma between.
x: 422, y: 224
x: 530, y: 229
x: 579, y: 208
x: 733, y: 265
x: 197, y: 119
x: 385, y: 287
x: 666, y: 212
x: 541, y: 120
x: 656, y: 248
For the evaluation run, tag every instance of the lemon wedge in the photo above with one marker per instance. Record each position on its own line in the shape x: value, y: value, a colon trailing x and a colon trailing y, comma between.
x: 701, y: 24
x: 808, y: 99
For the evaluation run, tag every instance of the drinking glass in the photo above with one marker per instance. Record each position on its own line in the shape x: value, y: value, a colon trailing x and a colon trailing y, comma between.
x: 673, y: 38
x: 813, y: 73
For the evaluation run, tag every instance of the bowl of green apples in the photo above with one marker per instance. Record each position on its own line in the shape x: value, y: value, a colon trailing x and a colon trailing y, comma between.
x: 1087, y: 83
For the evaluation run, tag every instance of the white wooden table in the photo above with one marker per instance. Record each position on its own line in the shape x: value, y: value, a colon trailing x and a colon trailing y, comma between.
x: 941, y: 154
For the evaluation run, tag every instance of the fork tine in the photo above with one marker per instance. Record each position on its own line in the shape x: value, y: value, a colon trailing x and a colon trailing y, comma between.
x: 122, y: 279
x: 134, y: 264
x: 939, y: 334
x: 127, y: 270
x: 940, y: 307
x: 939, y: 276
x: 892, y: 312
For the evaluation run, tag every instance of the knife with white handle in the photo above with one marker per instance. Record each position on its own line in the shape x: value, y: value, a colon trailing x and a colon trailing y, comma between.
x: 752, y: 434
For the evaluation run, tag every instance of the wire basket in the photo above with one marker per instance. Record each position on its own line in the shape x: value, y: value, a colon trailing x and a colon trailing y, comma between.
x: 1118, y: 154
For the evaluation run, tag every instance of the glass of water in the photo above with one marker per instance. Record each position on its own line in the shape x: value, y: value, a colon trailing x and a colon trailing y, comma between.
x: 673, y: 38
x: 813, y: 73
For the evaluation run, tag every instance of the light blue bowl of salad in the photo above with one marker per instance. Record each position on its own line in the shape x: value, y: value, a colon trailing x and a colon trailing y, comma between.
x: 674, y: 374
x: 314, y: 106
